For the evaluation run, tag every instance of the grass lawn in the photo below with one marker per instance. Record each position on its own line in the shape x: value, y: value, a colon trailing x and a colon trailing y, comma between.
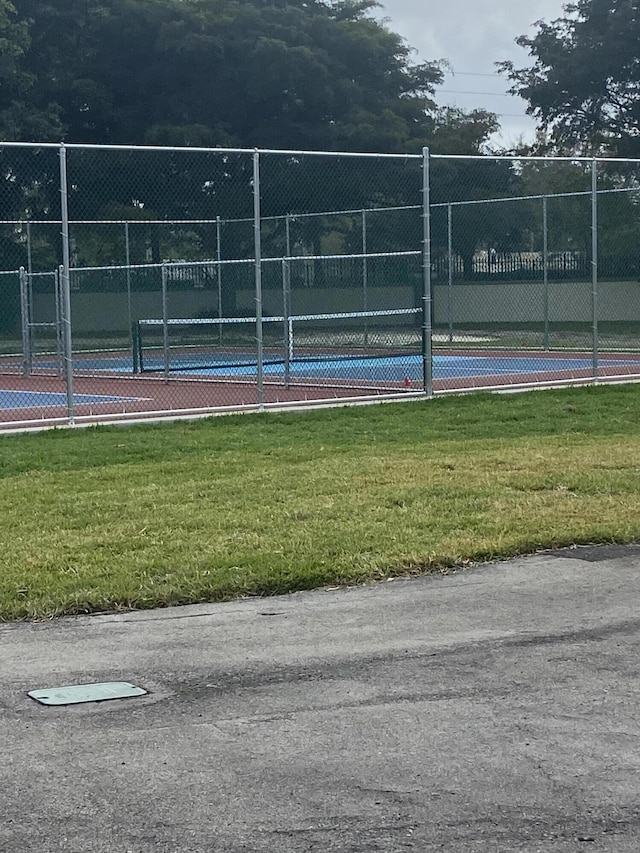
x: 113, y: 518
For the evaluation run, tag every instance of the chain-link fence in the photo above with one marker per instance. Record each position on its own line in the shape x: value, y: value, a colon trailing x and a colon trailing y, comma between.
x: 536, y: 262
x: 157, y: 281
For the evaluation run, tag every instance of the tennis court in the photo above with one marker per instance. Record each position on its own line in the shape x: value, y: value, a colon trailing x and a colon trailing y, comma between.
x: 348, y: 367
x: 198, y: 366
x: 44, y: 399
x: 106, y: 388
x: 393, y: 369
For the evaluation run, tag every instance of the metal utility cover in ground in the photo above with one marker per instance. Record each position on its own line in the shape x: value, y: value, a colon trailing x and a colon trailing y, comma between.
x: 77, y: 693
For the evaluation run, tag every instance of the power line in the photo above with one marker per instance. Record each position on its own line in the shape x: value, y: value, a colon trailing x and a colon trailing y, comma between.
x: 490, y: 94
x: 472, y: 74
x: 510, y: 115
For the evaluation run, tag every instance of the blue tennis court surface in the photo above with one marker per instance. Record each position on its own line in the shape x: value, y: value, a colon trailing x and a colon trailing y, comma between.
x: 392, y: 368
x: 398, y: 368
x: 42, y: 399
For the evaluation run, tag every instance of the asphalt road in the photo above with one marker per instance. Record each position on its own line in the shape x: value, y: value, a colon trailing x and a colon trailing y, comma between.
x: 494, y: 709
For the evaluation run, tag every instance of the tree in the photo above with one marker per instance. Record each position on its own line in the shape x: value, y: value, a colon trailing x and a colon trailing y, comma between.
x: 281, y: 73
x: 584, y: 84
x: 456, y: 131
x: 276, y: 74
x: 17, y: 113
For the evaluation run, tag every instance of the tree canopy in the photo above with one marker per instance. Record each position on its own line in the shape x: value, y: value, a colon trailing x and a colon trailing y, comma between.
x: 584, y: 84
x: 269, y: 74
x: 312, y: 74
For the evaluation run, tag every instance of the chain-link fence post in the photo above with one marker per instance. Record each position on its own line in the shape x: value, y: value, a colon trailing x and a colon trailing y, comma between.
x: 219, y: 271
x: 258, y: 276
x: 286, y: 315
x: 594, y: 264
x: 545, y: 269
x: 29, y: 250
x: 450, y: 271
x: 287, y: 231
x: 164, y: 273
x: 127, y: 249
x: 58, y: 321
x: 25, y: 320
x: 427, y: 344
x: 29, y: 294
x: 365, y: 297
x: 286, y: 283
x: 65, y: 286
x: 127, y: 253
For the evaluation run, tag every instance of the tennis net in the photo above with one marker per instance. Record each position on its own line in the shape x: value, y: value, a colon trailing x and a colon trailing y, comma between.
x: 233, y: 344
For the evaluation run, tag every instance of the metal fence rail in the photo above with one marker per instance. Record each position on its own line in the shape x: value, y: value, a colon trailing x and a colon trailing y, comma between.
x: 329, y: 275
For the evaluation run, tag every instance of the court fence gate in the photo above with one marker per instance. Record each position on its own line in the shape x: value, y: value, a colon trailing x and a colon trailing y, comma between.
x: 155, y: 282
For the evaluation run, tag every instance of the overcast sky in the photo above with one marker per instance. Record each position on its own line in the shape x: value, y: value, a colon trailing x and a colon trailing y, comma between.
x: 471, y: 35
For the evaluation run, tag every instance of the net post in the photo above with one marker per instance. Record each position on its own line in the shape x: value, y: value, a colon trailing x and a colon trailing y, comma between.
x: 135, y: 343
x: 65, y: 286
x: 594, y: 267
x: 427, y: 353
x: 258, y: 276
x: 25, y: 317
